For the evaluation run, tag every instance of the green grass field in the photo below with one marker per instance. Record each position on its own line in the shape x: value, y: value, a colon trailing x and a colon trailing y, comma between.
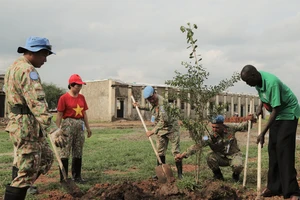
x: 128, y: 153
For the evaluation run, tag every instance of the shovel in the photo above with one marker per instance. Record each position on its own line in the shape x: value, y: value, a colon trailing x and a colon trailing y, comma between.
x: 67, y: 183
x: 163, y: 171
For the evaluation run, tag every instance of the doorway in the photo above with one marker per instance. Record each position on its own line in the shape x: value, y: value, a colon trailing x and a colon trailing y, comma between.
x: 120, y: 108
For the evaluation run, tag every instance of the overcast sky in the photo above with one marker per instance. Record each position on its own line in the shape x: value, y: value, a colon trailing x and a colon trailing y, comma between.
x: 140, y: 40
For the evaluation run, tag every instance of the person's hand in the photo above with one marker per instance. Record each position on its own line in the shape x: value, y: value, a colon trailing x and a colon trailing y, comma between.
x: 261, y: 139
x: 259, y: 111
x: 89, y: 133
x: 180, y: 123
x: 250, y: 117
x: 179, y: 157
x: 135, y: 104
x: 60, y: 138
x: 149, y: 133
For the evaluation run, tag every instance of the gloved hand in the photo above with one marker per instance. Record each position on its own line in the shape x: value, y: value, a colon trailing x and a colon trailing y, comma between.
x: 60, y: 138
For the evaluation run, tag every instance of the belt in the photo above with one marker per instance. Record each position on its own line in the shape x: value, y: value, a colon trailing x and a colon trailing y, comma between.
x: 23, y: 110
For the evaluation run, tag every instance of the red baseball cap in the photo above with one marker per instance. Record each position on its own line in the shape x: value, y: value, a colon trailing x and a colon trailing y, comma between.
x: 75, y: 78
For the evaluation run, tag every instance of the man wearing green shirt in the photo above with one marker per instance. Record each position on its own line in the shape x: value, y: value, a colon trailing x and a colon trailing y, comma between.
x: 284, y: 110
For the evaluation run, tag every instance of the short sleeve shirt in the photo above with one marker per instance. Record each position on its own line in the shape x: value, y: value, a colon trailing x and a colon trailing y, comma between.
x: 274, y: 93
x: 72, y: 107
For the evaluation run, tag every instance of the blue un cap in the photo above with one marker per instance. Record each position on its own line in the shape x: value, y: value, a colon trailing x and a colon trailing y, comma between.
x: 219, y: 119
x: 35, y: 44
x: 148, y: 92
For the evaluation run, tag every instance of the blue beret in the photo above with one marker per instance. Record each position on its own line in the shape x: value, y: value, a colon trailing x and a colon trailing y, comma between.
x: 219, y: 119
x: 148, y: 91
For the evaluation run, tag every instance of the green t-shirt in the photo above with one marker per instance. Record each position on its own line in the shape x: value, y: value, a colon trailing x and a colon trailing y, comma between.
x: 275, y: 93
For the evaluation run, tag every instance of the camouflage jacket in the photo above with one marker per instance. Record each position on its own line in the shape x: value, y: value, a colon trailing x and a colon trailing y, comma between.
x: 160, y: 117
x: 23, y: 87
x: 225, y: 145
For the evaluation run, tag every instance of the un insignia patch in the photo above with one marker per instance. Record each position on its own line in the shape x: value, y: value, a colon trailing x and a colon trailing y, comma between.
x: 34, y: 76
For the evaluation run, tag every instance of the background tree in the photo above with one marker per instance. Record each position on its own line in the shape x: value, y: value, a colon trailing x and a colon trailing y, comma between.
x: 53, y: 93
x: 193, y: 90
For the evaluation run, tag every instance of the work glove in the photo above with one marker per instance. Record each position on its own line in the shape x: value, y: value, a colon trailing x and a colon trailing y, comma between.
x: 60, y: 138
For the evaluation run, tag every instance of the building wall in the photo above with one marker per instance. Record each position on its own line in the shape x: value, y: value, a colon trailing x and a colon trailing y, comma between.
x: 100, y: 99
x: 104, y: 99
x: 109, y: 100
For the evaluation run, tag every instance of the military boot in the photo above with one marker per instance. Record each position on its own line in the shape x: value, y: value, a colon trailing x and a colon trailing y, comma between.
x: 235, y: 177
x: 179, y: 169
x: 65, y: 162
x: 76, y: 170
x: 14, y: 193
x: 163, y: 161
x: 218, y: 175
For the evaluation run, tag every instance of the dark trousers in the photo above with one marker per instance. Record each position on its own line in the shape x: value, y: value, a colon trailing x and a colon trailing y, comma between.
x: 282, y: 143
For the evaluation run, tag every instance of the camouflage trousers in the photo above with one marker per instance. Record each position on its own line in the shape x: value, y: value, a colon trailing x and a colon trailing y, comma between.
x: 214, y: 161
x: 163, y: 141
x: 31, y: 158
x: 74, y: 128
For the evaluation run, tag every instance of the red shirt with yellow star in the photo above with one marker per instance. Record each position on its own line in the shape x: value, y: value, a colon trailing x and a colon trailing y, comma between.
x: 72, y: 107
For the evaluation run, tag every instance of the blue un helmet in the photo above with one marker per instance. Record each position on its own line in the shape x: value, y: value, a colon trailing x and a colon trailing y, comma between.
x: 219, y: 119
x: 148, y: 91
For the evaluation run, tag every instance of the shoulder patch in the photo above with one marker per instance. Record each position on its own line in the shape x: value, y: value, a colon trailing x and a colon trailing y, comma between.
x: 34, y: 76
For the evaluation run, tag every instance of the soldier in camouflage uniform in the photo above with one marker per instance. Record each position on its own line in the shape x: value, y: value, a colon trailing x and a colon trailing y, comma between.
x: 72, y: 108
x: 29, y: 118
x: 225, y: 150
x: 166, y: 127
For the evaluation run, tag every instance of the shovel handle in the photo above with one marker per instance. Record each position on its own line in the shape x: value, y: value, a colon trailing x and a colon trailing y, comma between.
x: 58, y: 158
x: 153, y: 146
x: 259, y: 159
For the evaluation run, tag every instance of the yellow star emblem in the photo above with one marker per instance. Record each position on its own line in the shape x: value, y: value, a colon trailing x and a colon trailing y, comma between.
x: 78, y: 110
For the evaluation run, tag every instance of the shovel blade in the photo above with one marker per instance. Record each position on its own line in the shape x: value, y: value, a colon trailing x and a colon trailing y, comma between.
x: 164, y: 173
x: 72, y: 188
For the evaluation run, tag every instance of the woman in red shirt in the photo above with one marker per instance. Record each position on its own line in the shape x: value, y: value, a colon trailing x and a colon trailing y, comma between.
x: 72, y: 109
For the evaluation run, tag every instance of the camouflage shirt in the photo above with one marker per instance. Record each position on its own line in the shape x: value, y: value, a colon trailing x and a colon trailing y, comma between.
x: 23, y: 88
x: 225, y: 145
x: 160, y: 118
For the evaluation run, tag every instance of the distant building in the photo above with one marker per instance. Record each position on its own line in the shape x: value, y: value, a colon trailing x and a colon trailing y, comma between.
x: 111, y: 99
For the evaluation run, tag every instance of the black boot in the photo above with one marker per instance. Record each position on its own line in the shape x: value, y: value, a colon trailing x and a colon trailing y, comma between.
x: 14, y: 193
x: 235, y: 177
x: 65, y: 162
x: 179, y: 169
x: 163, y: 161
x: 76, y: 170
x: 14, y: 172
x: 218, y: 175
